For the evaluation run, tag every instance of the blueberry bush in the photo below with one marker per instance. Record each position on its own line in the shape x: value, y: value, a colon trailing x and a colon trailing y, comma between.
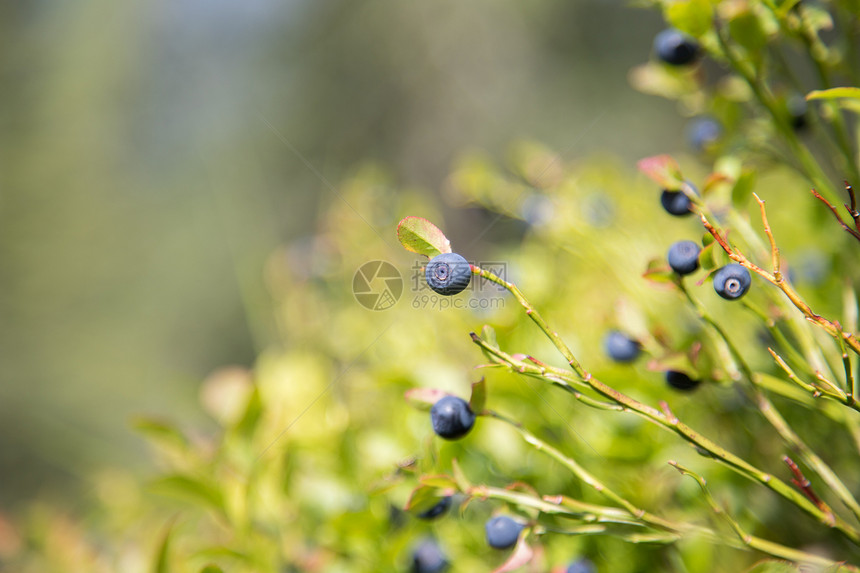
x: 668, y: 385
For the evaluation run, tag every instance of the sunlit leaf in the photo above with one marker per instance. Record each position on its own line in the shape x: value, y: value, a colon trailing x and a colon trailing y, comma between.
x: 253, y: 411
x: 834, y: 93
x: 425, y: 497
x: 773, y: 566
x: 419, y: 235
x: 194, y: 491
x: 160, y: 433
x: 439, y: 481
x: 479, y: 396
x: 743, y: 189
x: 693, y: 17
x: 659, y: 271
x: 459, y: 477
x: 162, y: 554
x: 489, y: 335
x: 664, y: 170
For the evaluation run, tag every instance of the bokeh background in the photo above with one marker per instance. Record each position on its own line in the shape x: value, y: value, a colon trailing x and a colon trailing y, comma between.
x: 154, y: 155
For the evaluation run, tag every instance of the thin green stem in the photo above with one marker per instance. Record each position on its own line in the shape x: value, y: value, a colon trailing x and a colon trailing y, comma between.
x: 802, y: 155
x: 772, y: 415
x: 669, y: 422
x: 536, y: 318
x: 836, y: 117
x: 769, y: 547
x: 588, y: 478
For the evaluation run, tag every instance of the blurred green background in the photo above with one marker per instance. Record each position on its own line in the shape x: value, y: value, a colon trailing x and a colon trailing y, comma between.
x: 154, y: 155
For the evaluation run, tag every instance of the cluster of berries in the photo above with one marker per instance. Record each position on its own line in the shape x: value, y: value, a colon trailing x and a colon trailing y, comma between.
x: 452, y: 419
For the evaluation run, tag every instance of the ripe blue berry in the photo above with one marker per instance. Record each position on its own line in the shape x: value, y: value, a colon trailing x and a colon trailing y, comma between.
x: 620, y: 347
x: 581, y: 566
x: 702, y: 132
x: 502, y: 532
x: 676, y: 203
x: 437, y: 510
x: 448, y: 273
x: 427, y: 557
x: 680, y: 381
x: 452, y: 418
x: 684, y: 257
x: 732, y: 281
x: 796, y: 105
x: 675, y: 48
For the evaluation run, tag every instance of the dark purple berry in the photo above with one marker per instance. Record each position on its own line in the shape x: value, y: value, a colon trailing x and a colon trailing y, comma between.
x: 683, y: 257
x: 441, y: 507
x: 620, y: 347
x: 581, y: 566
x: 676, y: 48
x: 702, y: 132
x: 448, y: 273
x: 680, y: 381
x: 677, y: 202
x: 502, y: 532
x: 732, y: 281
x: 452, y: 418
x: 427, y: 557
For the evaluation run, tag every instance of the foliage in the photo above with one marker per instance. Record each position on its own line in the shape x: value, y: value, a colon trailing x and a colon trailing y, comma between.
x: 315, y: 462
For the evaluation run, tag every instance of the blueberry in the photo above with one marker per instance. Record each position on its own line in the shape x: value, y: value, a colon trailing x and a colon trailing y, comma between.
x: 620, y: 347
x: 796, y: 106
x: 437, y: 510
x: 502, y: 532
x: 581, y: 566
x: 427, y: 557
x: 677, y: 202
x: 448, y: 273
x: 732, y: 281
x: 675, y: 48
x: 684, y: 257
x: 702, y: 132
x: 452, y: 418
x: 680, y: 381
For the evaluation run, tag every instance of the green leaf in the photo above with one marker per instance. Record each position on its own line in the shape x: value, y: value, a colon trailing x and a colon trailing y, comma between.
x: 488, y: 334
x: 253, y: 412
x: 706, y: 256
x: 743, y: 189
x: 834, y: 93
x: 211, y: 569
x: 424, y: 398
x: 439, y: 481
x: 459, y: 477
x: 659, y: 271
x: 693, y: 17
x: 747, y: 31
x: 160, y: 433
x: 664, y: 170
x: 424, y: 497
x: 479, y: 396
x: 191, y: 490
x: 162, y: 553
x: 773, y: 566
x: 419, y: 235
